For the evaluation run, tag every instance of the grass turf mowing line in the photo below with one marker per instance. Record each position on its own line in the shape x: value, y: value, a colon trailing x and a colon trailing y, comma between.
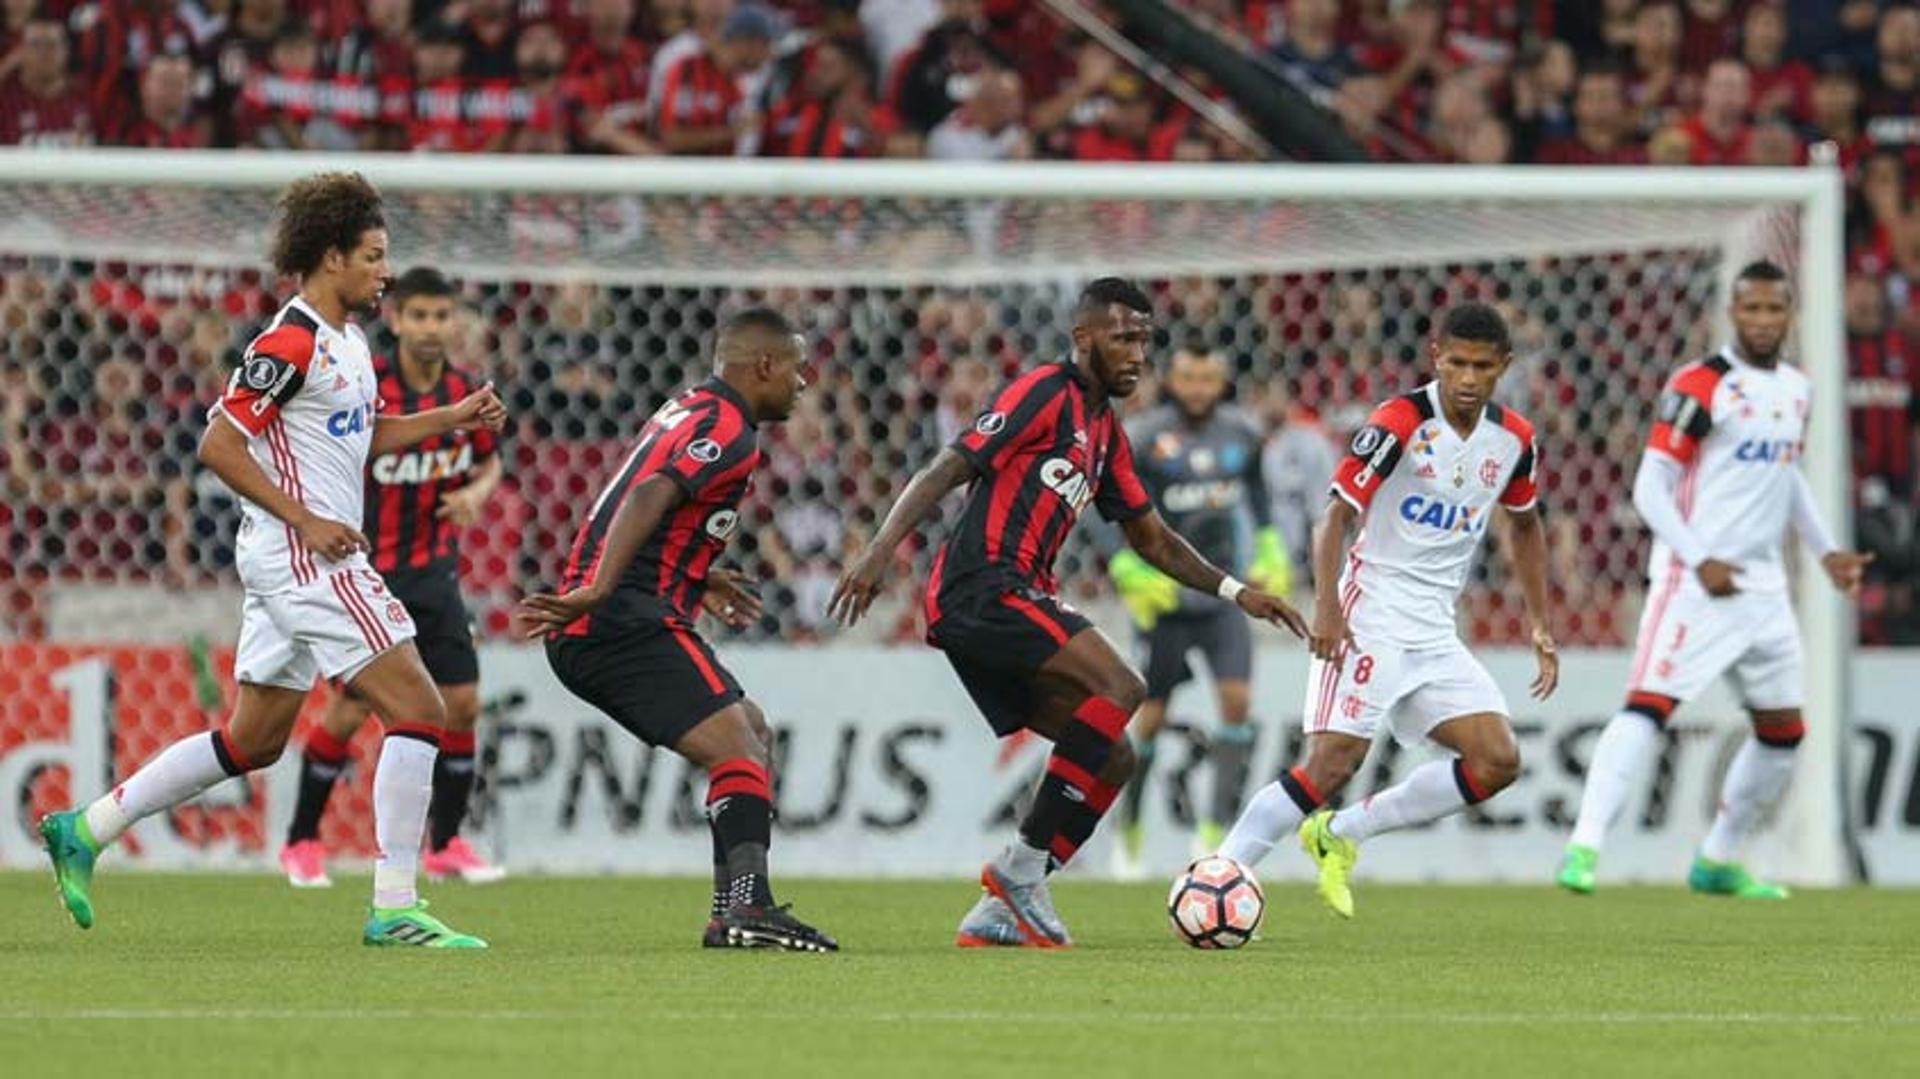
x: 240, y: 975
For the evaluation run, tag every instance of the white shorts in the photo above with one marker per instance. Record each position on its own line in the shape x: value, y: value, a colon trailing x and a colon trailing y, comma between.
x: 1414, y: 690
x: 334, y: 626
x: 1688, y: 638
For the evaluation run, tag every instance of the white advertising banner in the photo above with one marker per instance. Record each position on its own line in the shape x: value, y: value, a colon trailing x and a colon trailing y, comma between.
x: 884, y: 768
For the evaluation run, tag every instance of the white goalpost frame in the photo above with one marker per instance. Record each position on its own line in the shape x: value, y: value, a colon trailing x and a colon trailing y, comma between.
x: 1813, y: 820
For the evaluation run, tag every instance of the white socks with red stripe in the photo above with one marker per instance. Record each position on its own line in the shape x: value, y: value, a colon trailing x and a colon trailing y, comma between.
x: 1756, y: 780
x: 1276, y: 809
x: 1621, y: 758
x: 1429, y: 792
x: 402, y: 788
x: 181, y: 771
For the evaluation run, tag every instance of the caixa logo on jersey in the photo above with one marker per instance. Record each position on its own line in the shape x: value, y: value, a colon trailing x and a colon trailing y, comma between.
x: 423, y: 466
x: 1062, y: 478
x: 351, y: 421
x: 1445, y: 516
x: 1782, y: 451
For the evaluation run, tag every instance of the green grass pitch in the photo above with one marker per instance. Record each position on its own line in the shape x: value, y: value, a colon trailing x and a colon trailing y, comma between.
x: 239, y: 975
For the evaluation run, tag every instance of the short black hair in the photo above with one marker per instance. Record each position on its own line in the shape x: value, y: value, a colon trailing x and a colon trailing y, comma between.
x: 1760, y: 270
x: 1475, y: 321
x: 420, y: 281
x: 328, y: 211
x: 748, y: 323
x: 1107, y: 291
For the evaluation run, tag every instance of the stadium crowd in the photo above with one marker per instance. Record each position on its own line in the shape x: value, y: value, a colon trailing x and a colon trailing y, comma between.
x: 109, y: 368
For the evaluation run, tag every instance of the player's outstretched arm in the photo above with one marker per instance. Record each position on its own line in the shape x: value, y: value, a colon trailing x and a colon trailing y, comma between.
x: 224, y: 450
x: 860, y: 582
x: 1527, y: 539
x: 1170, y: 552
x: 481, y: 408
x: 639, y: 515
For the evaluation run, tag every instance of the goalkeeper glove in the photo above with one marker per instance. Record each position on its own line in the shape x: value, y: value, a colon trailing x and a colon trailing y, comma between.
x: 1272, y: 570
x: 1146, y: 591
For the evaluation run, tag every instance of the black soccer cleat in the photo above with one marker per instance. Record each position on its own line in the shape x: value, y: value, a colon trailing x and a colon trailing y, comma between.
x: 747, y: 926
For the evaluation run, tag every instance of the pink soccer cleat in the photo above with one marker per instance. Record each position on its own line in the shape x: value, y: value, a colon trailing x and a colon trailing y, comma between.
x: 459, y: 859
x: 305, y: 864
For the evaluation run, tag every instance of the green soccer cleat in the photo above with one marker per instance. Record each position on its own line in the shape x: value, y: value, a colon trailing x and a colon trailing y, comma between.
x: 1730, y: 878
x: 73, y: 854
x: 413, y: 927
x: 1576, y: 869
x: 1335, y: 857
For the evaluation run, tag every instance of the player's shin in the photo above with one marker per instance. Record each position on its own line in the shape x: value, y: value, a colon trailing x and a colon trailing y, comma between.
x: 324, y: 758
x: 1072, y: 796
x: 181, y: 771
x: 1276, y: 810
x: 402, y: 787
x: 740, y: 808
x: 1435, y: 789
x: 1231, y: 751
x: 1621, y: 759
x: 452, y: 788
x: 1755, y: 782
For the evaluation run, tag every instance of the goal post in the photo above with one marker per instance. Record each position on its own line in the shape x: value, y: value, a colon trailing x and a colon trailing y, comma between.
x: 1617, y: 273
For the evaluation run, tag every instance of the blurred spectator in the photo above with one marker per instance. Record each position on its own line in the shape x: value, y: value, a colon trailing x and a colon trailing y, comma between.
x: 1542, y: 91
x: 540, y: 109
x: 1596, y: 28
x: 240, y: 48
x: 1094, y: 67
x: 1459, y: 109
x: 1883, y: 388
x: 829, y: 111
x: 14, y: 16
x: 1601, y: 134
x: 1842, y: 28
x: 938, y: 74
x: 1654, y: 86
x: 437, y: 120
x: 895, y: 27
x: 1711, y: 30
x: 1309, y: 54
x: 1719, y: 131
x: 1773, y: 145
x: 115, y: 40
x: 1489, y: 143
x: 609, y: 75
x: 1881, y: 234
x: 291, y: 105
x: 488, y: 36
x: 1893, y: 93
x: 1781, y: 86
x: 1670, y: 146
x: 987, y: 127
x: 1125, y: 130
x: 167, y: 120
x: 700, y: 29
x: 40, y: 104
x: 701, y: 109
x: 1835, y: 112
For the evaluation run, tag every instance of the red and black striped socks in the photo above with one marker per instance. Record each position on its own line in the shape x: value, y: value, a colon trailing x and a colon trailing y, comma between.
x: 740, y: 811
x: 1072, y: 798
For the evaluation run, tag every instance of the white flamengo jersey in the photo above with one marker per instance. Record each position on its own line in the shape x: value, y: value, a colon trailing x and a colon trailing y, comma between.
x: 1738, y: 432
x: 1424, y: 494
x: 305, y: 394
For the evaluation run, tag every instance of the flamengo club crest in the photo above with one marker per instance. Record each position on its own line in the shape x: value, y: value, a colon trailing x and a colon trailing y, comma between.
x: 1490, y: 471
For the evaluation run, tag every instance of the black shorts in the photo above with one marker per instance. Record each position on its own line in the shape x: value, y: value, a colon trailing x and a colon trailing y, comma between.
x: 655, y: 680
x: 1221, y: 635
x: 442, y: 629
x: 996, y: 641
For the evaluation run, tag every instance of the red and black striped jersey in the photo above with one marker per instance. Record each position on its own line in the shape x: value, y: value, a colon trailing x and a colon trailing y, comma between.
x: 404, y: 487
x: 1883, y: 392
x: 704, y: 441
x: 1047, y: 445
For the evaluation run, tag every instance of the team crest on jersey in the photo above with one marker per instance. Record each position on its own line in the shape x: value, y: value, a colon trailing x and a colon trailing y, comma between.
x: 397, y: 612
x: 721, y: 524
x: 1490, y: 472
x: 990, y: 423
x: 704, y: 450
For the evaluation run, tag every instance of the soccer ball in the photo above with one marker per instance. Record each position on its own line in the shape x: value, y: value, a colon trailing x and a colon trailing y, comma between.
x: 1216, y: 903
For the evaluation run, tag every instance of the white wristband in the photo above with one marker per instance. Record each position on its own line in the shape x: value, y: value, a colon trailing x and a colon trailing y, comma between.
x: 1230, y: 589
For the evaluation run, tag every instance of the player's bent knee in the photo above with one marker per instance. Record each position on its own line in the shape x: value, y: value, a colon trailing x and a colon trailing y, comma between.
x: 1497, y: 768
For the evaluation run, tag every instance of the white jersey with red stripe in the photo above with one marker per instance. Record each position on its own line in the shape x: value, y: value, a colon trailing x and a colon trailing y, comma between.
x: 305, y: 394
x: 1424, y: 493
x: 1738, y: 431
